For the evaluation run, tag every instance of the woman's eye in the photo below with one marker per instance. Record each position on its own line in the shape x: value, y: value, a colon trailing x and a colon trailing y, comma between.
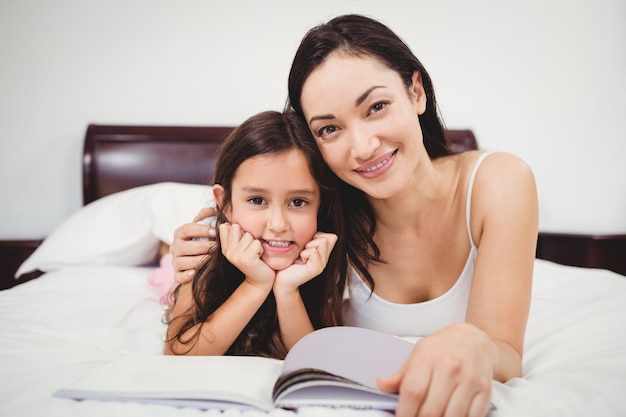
x: 298, y: 202
x: 257, y: 201
x: 326, y: 130
x: 376, y: 107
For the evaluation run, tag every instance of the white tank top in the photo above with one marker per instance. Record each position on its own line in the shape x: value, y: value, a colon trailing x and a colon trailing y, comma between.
x: 362, y: 308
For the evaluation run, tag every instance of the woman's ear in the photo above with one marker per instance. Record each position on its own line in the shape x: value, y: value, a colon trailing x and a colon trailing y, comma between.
x: 417, y: 88
x: 219, y: 195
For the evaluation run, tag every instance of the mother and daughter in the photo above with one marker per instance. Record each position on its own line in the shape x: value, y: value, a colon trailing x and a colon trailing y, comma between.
x: 349, y: 209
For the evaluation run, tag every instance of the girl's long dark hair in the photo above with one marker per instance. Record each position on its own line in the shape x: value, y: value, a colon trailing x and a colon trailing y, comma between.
x: 216, y: 278
x: 362, y: 36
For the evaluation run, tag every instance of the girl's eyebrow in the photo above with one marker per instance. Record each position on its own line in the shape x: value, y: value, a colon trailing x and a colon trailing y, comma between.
x: 359, y: 100
x: 302, y: 191
x: 252, y: 189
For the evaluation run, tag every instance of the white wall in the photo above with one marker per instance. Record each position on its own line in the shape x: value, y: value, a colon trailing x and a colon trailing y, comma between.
x: 545, y: 79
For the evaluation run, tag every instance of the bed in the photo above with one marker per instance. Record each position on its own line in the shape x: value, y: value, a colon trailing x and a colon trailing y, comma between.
x: 93, y: 301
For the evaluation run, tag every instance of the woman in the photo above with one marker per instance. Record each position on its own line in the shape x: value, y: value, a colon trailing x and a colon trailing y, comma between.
x: 441, y: 245
x: 272, y: 277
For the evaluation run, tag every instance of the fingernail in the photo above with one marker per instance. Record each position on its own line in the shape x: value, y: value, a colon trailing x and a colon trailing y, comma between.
x: 212, y: 232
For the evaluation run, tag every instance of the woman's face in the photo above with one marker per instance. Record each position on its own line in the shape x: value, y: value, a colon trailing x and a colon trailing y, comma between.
x: 276, y: 199
x: 365, y: 122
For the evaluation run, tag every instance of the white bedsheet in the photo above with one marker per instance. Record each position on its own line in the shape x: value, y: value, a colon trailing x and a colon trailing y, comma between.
x: 67, y: 323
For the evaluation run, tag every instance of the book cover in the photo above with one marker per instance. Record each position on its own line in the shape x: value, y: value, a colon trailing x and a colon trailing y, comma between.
x: 334, y: 366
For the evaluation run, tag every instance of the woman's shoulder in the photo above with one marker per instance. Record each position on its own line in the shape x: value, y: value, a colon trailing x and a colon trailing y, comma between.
x: 495, y: 175
x: 502, y: 167
x: 504, y: 188
x: 504, y: 183
x: 493, y: 165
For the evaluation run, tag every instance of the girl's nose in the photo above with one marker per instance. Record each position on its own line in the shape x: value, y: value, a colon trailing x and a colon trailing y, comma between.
x: 277, y: 221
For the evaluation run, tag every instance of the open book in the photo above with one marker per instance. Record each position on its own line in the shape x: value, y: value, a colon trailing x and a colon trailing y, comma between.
x: 334, y: 366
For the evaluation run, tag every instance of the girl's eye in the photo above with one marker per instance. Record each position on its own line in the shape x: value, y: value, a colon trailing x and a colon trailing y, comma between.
x: 256, y: 201
x: 326, y: 130
x: 298, y: 202
x: 376, y: 107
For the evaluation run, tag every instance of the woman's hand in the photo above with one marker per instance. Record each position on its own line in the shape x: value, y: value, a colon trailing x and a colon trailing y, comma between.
x: 244, y: 252
x: 449, y: 373
x: 191, y: 243
x: 311, y: 263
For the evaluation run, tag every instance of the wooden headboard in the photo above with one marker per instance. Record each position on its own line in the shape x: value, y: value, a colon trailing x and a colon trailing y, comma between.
x: 118, y: 157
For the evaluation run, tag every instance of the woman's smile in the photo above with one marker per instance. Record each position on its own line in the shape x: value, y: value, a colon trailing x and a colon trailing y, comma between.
x: 377, y: 167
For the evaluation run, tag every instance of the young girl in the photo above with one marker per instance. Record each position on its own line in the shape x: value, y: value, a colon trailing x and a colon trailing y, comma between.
x: 273, y: 275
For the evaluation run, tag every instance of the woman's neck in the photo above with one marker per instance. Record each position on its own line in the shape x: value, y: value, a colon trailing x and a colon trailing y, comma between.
x: 428, y: 192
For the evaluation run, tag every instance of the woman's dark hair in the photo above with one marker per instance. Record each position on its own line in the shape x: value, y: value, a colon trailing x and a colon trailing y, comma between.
x: 216, y: 278
x: 362, y: 36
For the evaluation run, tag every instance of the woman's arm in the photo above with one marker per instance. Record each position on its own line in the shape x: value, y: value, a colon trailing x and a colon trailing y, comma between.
x: 504, y: 227
x: 450, y: 371
x: 191, y: 243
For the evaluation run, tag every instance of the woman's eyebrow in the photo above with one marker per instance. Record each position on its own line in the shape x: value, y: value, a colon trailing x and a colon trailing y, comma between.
x: 322, y: 117
x: 360, y: 99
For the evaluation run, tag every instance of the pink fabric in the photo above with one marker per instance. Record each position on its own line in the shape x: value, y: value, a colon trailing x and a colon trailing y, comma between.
x: 162, y: 279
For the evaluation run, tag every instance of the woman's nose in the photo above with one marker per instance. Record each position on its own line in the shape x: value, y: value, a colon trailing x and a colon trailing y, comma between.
x: 363, y: 143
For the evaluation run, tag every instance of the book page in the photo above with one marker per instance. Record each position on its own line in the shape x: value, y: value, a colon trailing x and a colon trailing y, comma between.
x: 358, y: 354
x: 182, y: 380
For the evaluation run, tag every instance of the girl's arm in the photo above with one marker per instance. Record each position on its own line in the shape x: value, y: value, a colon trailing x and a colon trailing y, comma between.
x: 222, y: 327
x: 293, y: 319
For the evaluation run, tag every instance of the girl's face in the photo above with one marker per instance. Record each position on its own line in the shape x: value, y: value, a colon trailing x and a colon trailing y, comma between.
x: 365, y: 122
x: 276, y: 199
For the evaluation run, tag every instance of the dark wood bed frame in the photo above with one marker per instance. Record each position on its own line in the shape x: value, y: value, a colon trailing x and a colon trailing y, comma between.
x: 118, y: 157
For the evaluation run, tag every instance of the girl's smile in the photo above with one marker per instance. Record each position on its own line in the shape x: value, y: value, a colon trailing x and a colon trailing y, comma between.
x: 276, y: 243
x: 276, y: 199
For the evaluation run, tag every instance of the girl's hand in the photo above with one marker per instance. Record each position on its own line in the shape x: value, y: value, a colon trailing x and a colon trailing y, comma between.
x: 191, y: 243
x: 244, y: 252
x: 311, y: 263
x: 449, y: 373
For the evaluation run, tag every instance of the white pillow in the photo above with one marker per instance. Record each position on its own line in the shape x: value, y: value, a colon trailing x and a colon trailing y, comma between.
x: 124, y: 228
x: 174, y: 204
